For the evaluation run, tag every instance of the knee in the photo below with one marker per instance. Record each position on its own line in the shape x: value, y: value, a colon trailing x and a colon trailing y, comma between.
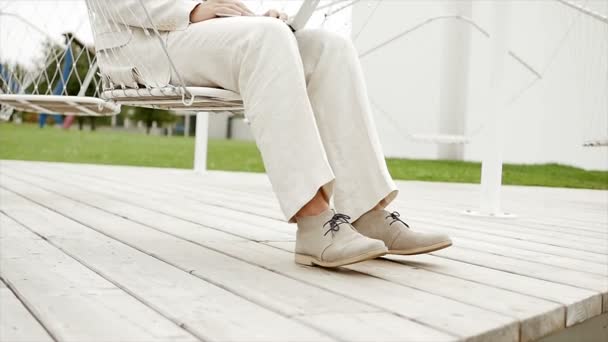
x: 323, y: 40
x: 271, y: 31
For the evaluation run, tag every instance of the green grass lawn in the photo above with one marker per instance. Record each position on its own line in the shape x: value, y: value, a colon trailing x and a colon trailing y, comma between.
x: 28, y: 142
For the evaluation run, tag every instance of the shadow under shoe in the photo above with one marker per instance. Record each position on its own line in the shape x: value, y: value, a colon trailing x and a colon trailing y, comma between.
x: 329, y: 240
x: 397, y: 235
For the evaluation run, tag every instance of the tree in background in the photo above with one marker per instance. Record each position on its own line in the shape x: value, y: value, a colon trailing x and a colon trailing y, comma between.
x: 150, y: 115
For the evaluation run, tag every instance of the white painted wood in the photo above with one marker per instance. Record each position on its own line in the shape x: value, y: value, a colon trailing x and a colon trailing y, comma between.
x: 288, y: 296
x: 537, y: 317
x: 555, y: 274
x: 537, y: 256
x: 455, y: 317
x: 237, y: 276
x: 568, y: 229
x: 596, y: 258
x: 528, y: 268
x: 72, y: 302
x: 201, y: 141
x: 580, y: 304
x: 205, y: 215
x: 200, y: 191
x: 454, y: 231
x: 468, y: 293
x: 208, y: 311
x: 460, y: 318
x: 377, y: 326
x: 155, y: 198
x: 441, y: 222
x: 16, y: 323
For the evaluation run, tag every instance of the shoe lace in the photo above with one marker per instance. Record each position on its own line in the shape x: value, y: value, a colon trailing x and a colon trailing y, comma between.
x: 335, y: 222
x: 395, y: 216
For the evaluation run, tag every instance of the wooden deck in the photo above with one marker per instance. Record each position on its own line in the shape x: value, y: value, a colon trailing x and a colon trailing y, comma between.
x: 105, y: 253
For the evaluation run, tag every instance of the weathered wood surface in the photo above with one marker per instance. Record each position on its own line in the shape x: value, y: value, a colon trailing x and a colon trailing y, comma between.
x: 210, y: 258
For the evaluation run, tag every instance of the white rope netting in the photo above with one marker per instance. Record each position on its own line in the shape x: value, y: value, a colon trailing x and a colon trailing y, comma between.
x: 44, y: 64
x: 48, y: 62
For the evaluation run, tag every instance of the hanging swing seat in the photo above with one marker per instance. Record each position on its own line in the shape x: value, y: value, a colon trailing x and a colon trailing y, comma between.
x: 60, y: 104
x: 196, y: 99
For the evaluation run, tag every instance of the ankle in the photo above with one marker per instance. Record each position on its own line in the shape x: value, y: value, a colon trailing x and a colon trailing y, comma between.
x: 312, y: 211
x: 314, y: 207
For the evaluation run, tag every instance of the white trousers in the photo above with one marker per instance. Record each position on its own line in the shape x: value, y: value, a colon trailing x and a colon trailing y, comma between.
x: 306, y: 101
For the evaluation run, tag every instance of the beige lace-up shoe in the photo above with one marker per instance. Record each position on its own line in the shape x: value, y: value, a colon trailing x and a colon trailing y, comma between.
x: 397, y: 235
x: 329, y: 240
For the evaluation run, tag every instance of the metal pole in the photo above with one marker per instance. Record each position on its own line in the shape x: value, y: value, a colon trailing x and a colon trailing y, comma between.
x: 187, y: 125
x: 200, y: 142
x: 491, y: 170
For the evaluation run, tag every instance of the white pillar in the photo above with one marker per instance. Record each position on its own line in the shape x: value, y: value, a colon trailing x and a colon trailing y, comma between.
x: 187, y: 125
x: 200, y: 142
x: 491, y: 170
x: 455, y: 57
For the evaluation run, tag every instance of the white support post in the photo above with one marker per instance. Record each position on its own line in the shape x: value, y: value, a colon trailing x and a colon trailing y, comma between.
x: 455, y: 59
x: 200, y: 142
x: 491, y: 170
x: 187, y: 125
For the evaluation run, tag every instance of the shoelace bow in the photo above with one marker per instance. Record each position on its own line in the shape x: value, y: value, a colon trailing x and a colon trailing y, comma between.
x: 395, y: 216
x: 335, y: 222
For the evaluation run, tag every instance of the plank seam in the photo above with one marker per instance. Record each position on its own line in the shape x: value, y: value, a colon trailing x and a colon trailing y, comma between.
x: 242, y: 260
x: 25, y: 304
x: 180, y: 324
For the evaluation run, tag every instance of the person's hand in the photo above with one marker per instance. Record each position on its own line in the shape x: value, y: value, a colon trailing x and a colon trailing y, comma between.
x: 276, y: 14
x: 216, y: 8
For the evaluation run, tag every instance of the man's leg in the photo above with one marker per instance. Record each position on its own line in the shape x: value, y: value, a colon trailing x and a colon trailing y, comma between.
x: 339, y: 100
x: 259, y: 58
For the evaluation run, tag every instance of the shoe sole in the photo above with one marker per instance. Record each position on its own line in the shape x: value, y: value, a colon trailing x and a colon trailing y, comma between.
x: 421, y: 250
x: 308, y: 260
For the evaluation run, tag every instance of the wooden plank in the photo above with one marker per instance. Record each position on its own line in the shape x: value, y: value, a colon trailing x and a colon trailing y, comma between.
x: 202, y: 190
x: 537, y: 317
x: 16, y: 323
x: 454, y: 316
x: 210, y: 216
x: 588, y: 216
x: 519, y: 306
x: 457, y: 318
x: 564, y: 262
x: 537, y: 256
x: 515, y: 240
x: 376, y: 326
x: 70, y: 300
x: 198, y: 189
x: 554, y: 274
x: 591, y: 266
x: 570, y: 318
x: 530, y: 220
x: 553, y: 258
x: 580, y: 304
x: 289, y: 297
x: 509, y: 227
